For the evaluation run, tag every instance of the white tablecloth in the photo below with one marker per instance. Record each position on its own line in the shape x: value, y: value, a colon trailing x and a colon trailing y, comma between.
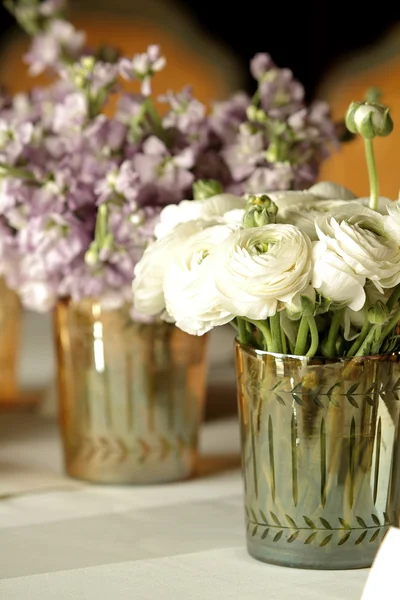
x: 65, y: 540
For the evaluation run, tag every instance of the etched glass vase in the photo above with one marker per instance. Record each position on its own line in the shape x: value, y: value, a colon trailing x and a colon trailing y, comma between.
x: 320, y: 456
x: 131, y: 395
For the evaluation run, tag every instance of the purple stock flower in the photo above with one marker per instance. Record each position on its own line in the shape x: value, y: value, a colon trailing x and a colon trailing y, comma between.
x: 142, y: 67
x: 71, y: 114
x: 14, y: 137
x: 157, y: 168
x: 227, y: 116
x: 120, y: 181
x: 49, y: 8
x: 260, y: 64
x: 81, y: 192
x: 186, y: 113
x: 47, y: 48
x: 106, y: 136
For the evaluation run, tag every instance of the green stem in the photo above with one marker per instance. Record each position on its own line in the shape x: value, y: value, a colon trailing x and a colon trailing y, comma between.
x: 242, y: 330
x: 284, y: 342
x: 18, y: 172
x: 365, y: 348
x: 392, y: 323
x: 314, y: 336
x: 372, y: 173
x: 393, y: 298
x: 330, y: 348
x: 275, y: 325
x: 234, y: 324
x: 263, y: 327
x: 156, y: 120
x: 302, y: 335
x: 360, y: 339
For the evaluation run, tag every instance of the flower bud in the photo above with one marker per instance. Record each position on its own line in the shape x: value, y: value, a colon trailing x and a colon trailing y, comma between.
x: 260, y: 211
x: 369, y: 119
x: 378, y: 314
x: 206, y: 188
x: 92, y: 255
x: 263, y: 201
x: 256, y: 217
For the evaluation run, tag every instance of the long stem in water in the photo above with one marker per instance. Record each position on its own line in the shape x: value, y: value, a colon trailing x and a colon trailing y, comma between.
x: 314, y: 336
x: 330, y: 348
x: 275, y: 325
x: 302, y: 335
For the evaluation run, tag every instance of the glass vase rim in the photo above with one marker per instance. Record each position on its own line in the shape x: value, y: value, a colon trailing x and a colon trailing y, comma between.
x: 311, y: 359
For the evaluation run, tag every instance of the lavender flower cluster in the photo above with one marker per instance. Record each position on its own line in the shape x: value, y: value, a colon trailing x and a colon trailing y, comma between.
x: 81, y: 191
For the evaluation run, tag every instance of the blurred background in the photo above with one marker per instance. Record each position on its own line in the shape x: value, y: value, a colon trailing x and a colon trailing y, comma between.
x: 337, y: 50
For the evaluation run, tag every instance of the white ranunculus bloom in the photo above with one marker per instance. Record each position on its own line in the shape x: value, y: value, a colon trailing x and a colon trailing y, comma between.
x: 258, y: 267
x: 383, y: 204
x: 211, y: 209
x: 335, y: 280
x: 360, y: 240
x: 148, y: 293
x: 327, y: 190
x: 294, y: 305
x: 191, y: 297
x: 288, y: 198
x: 303, y: 215
x: 392, y: 221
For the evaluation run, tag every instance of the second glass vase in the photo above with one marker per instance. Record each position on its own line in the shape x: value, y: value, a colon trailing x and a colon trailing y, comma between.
x: 131, y: 395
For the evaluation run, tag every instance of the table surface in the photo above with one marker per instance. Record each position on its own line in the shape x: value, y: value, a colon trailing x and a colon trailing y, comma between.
x: 62, y: 539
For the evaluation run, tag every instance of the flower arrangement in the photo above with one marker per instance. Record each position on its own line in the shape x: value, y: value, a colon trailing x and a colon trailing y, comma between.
x: 314, y: 272
x: 81, y: 191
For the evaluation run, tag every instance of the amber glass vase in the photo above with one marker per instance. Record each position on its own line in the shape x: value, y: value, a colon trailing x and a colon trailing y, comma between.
x: 320, y: 456
x: 10, y: 324
x: 131, y: 395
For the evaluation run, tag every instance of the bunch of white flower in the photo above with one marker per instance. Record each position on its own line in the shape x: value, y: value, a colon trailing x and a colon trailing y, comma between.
x: 307, y: 272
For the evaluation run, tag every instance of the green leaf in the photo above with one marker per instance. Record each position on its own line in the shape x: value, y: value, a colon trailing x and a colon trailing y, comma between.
x: 344, y: 539
x: 325, y: 523
x: 361, y: 522
x: 311, y: 538
x: 298, y: 399
x: 352, y: 401
x: 297, y: 387
x: 275, y: 387
x: 396, y: 385
x: 317, y: 401
x: 247, y: 526
x: 326, y: 540
x: 309, y: 522
x: 264, y: 518
x: 275, y: 518
x: 361, y: 538
x: 278, y: 536
x: 253, y: 514
x: 280, y: 399
x: 387, y: 519
x: 369, y: 400
x: 344, y: 523
x: 332, y: 389
x: 375, y: 519
x: 255, y: 529
x: 265, y: 533
x: 374, y: 535
x: 370, y: 389
x: 352, y: 389
x: 293, y: 537
x: 291, y: 522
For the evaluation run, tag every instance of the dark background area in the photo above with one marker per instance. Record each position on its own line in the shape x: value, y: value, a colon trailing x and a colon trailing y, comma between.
x: 307, y: 37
